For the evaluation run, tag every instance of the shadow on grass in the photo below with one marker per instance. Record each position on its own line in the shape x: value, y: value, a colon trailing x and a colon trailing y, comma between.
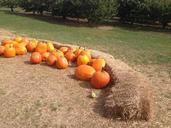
x: 73, y: 22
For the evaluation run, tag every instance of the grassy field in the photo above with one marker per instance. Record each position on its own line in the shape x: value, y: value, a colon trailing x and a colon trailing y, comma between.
x: 132, y: 45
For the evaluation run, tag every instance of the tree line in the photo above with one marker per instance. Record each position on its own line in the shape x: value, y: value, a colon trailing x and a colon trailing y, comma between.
x: 130, y: 11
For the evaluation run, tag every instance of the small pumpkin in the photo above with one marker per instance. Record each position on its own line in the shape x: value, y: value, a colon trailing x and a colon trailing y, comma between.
x: 100, y: 79
x: 45, y: 55
x: 82, y: 60
x: 62, y: 63
x: 6, y: 41
x: 63, y: 49
x: 9, y: 52
x: 20, y: 49
x: 87, y: 53
x: 50, y: 47
x: 41, y: 47
x: 18, y: 39
x: 51, y: 60
x: 31, y: 46
x: 84, y: 72
x: 36, y: 58
x: 2, y: 49
x: 70, y: 56
x: 98, y: 64
x: 57, y: 53
x: 78, y: 51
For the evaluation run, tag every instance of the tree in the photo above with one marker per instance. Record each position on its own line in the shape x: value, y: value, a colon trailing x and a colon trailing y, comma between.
x: 10, y: 4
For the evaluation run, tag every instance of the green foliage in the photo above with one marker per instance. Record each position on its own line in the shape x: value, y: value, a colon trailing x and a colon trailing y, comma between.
x: 10, y: 4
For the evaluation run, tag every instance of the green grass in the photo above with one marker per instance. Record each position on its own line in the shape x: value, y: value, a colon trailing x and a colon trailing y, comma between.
x: 133, y: 45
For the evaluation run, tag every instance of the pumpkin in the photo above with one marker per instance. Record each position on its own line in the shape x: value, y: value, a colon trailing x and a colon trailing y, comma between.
x: 84, y: 72
x: 20, y: 49
x: 36, y: 58
x: 51, y: 60
x: 9, y: 52
x: 87, y: 53
x: 62, y: 63
x: 6, y: 41
x: 31, y: 46
x: 50, y: 47
x: 70, y: 56
x: 82, y: 60
x: 100, y: 79
x: 57, y: 53
x: 41, y: 47
x: 63, y: 49
x: 18, y: 39
x: 25, y: 40
x: 2, y: 49
x: 45, y: 55
x: 78, y: 52
x: 71, y: 49
x: 98, y: 64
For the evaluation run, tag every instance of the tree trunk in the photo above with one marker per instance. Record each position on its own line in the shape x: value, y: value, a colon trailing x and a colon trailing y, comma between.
x: 12, y: 9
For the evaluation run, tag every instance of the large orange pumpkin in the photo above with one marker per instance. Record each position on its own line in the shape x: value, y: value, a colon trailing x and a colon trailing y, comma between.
x: 41, y: 47
x: 20, y: 49
x: 98, y: 64
x: 45, y: 55
x: 82, y: 60
x: 36, y: 58
x: 70, y: 56
x: 62, y: 63
x: 51, y: 60
x: 9, y: 52
x: 31, y: 46
x: 100, y: 79
x: 2, y: 49
x: 84, y: 72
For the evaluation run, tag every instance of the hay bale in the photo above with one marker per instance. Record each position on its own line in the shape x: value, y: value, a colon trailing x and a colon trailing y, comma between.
x: 130, y: 95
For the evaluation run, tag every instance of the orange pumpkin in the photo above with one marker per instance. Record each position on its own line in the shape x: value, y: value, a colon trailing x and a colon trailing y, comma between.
x: 9, y: 52
x: 62, y: 63
x: 25, y: 40
x: 51, y: 60
x: 98, y: 64
x: 36, y: 58
x: 18, y: 39
x: 84, y: 72
x: 71, y: 49
x: 87, y: 53
x: 78, y: 52
x: 100, y: 79
x: 31, y: 46
x: 6, y: 41
x: 82, y: 60
x: 20, y: 49
x: 41, y: 47
x: 45, y: 55
x: 63, y: 49
x: 50, y: 47
x: 2, y: 49
x: 57, y: 53
x: 70, y: 56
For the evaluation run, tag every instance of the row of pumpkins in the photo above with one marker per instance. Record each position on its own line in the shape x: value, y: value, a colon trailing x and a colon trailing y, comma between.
x: 87, y: 67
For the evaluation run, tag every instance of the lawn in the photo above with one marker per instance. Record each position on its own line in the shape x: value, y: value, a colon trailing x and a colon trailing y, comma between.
x: 133, y: 45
